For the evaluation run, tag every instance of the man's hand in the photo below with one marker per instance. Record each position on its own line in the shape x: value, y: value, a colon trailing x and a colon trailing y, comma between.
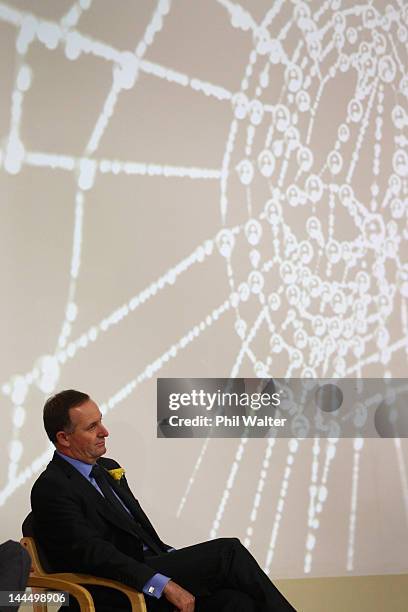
x: 179, y: 597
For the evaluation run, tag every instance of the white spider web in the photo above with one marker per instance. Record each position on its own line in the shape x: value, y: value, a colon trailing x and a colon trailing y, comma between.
x: 313, y: 246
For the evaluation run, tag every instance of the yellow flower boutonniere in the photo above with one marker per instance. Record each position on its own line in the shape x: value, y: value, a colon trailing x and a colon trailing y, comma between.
x: 117, y: 473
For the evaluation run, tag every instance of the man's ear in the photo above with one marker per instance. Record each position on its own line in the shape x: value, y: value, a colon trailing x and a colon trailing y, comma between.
x: 62, y: 439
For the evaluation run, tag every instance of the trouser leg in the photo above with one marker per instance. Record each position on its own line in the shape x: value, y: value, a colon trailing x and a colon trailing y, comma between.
x: 224, y: 600
x: 243, y: 572
x: 221, y: 564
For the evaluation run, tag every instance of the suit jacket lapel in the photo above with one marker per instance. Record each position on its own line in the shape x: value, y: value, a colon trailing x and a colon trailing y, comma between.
x: 142, y: 525
x: 125, y: 495
x: 87, y: 490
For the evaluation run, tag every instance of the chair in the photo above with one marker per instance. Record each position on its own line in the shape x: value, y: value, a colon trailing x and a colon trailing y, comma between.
x: 69, y: 582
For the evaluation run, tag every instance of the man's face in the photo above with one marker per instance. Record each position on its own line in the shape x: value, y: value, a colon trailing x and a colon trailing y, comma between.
x: 86, y: 442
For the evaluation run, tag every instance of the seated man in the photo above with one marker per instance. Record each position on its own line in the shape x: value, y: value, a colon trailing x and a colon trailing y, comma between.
x: 87, y: 521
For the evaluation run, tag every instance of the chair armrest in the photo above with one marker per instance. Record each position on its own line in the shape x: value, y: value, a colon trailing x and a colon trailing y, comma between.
x: 53, y: 581
x: 70, y: 581
x: 136, y: 598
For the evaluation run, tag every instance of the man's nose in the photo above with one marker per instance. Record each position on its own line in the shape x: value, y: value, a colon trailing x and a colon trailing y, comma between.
x: 104, y: 432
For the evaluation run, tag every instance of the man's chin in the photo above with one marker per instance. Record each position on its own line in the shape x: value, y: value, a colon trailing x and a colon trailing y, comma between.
x: 100, y: 450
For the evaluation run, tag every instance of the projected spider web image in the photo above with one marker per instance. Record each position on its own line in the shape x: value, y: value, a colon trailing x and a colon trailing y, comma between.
x: 209, y: 189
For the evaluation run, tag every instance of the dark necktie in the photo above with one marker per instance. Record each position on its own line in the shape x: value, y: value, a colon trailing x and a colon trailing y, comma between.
x: 100, y: 478
x: 97, y: 473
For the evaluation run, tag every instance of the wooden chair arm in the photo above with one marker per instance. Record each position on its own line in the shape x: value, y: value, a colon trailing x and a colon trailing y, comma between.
x: 53, y: 581
x: 136, y: 599
x: 73, y: 580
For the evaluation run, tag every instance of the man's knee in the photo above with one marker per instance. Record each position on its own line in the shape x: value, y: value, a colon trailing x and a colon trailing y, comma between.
x: 230, y: 542
x: 234, y: 547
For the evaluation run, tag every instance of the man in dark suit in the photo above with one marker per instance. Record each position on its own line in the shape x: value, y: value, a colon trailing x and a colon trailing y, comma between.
x: 87, y: 520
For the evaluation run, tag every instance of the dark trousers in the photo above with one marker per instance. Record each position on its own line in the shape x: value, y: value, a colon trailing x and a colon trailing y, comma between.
x: 222, y: 575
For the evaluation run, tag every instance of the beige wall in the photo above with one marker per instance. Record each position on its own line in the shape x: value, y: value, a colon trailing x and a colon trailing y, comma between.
x: 354, y: 594
x: 161, y: 215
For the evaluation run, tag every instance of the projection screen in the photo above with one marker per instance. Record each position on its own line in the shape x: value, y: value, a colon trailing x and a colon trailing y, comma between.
x: 209, y: 189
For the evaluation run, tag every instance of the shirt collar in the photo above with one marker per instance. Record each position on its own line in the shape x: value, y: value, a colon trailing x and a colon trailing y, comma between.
x: 81, y: 466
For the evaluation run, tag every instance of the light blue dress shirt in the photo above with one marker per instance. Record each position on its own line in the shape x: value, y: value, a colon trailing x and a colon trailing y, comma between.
x: 153, y: 587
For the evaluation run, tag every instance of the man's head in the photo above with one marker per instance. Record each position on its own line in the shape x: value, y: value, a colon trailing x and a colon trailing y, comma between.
x: 73, y: 423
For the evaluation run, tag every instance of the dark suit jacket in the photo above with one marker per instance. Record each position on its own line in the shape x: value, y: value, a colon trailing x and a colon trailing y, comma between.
x: 79, y: 531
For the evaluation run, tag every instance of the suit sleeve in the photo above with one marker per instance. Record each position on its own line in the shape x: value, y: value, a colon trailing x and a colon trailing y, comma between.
x: 65, y: 533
